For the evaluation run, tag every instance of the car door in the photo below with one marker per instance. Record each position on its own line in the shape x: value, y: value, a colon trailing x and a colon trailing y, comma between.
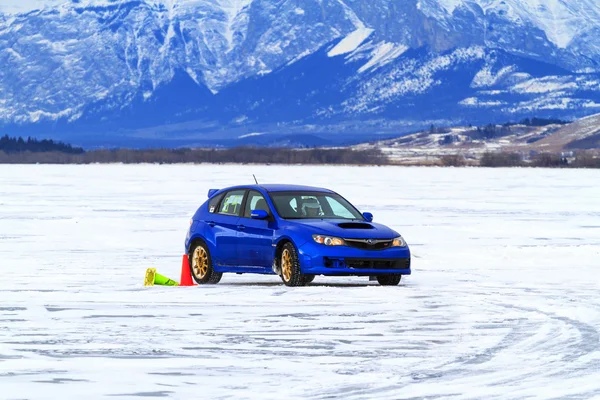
x: 224, y: 225
x: 255, y: 247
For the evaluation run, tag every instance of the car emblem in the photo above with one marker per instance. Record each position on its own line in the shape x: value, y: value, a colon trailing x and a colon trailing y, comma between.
x: 370, y: 241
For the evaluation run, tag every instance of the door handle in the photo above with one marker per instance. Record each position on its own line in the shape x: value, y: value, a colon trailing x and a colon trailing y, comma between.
x: 211, y: 223
x: 241, y: 227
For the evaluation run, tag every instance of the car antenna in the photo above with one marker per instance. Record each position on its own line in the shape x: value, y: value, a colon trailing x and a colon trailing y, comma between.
x: 255, y: 179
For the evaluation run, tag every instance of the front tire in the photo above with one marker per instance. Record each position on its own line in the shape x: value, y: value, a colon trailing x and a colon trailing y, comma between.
x: 201, y: 265
x: 290, y: 266
x: 389, y: 280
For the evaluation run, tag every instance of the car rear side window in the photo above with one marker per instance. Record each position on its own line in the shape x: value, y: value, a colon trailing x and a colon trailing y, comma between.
x: 232, y: 203
x: 214, y: 202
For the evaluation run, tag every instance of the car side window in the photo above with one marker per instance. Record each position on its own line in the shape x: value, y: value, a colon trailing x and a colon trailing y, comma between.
x: 214, y: 202
x: 255, y: 201
x: 232, y: 203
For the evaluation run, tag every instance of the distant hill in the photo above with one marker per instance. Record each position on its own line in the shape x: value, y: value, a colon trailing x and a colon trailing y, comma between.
x: 583, y: 134
x: 473, y: 142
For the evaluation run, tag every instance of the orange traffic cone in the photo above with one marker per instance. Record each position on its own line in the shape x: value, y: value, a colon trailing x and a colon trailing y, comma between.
x: 186, y: 275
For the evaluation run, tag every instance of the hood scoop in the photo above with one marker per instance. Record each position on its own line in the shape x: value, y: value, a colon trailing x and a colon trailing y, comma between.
x: 355, y: 225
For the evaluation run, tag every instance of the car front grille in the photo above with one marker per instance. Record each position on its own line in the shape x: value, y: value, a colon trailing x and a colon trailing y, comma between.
x: 369, y: 244
x: 361, y: 263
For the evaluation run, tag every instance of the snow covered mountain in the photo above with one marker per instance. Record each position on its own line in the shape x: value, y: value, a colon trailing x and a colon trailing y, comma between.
x: 114, y: 72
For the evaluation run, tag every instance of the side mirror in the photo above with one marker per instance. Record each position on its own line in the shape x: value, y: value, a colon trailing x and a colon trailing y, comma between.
x: 259, y: 214
x: 368, y: 216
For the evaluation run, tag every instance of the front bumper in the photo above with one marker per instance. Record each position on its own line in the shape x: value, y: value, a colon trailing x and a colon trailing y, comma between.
x: 317, y: 259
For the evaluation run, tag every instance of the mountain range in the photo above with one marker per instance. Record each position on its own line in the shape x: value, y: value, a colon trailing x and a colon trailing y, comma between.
x: 289, y: 72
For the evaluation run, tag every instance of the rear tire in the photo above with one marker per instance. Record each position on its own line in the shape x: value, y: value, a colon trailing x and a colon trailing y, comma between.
x: 389, y: 280
x: 290, y: 266
x: 201, y: 265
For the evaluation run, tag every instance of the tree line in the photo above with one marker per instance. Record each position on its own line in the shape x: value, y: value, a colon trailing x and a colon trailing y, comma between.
x: 12, y: 145
x: 238, y: 155
x: 31, y: 151
x: 580, y: 159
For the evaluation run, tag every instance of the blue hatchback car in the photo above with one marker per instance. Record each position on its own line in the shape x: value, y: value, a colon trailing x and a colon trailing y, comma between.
x: 296, y: 232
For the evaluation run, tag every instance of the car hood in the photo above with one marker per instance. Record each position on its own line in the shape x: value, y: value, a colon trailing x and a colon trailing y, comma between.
x: 346, y: 229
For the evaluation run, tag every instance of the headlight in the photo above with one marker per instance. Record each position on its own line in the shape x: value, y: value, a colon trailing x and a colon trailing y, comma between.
x: 329, y: 240
x: 399, y: 242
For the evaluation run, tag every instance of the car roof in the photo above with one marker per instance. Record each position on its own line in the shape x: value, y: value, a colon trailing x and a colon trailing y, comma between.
x: 281, y: 188
x: 293, y: 188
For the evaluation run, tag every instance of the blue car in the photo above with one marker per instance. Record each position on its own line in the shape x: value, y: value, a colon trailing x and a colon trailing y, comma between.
x: 296, y: 232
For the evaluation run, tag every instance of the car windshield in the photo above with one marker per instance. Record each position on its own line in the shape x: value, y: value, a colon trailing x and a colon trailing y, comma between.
x: 311, y: 205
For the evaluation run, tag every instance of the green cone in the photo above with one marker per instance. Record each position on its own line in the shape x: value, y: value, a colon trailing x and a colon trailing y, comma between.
x: 153, y: 278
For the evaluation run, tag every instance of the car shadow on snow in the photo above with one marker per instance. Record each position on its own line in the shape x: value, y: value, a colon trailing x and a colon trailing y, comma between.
x: 314, y: 284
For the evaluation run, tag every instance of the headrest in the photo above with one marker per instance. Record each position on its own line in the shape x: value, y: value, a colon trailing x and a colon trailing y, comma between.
x: 261, y: 204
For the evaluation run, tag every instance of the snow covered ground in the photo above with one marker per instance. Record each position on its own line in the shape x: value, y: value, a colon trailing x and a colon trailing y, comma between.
x: 503, y: 302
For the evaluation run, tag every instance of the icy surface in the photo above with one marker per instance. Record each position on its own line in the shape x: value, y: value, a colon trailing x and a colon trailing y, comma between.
x: 503, y: 302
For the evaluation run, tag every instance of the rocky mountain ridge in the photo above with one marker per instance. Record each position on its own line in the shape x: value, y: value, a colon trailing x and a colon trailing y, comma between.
x: 222, y: 72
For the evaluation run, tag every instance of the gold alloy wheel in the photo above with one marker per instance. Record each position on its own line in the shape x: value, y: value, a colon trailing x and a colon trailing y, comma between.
x: 200, y: 262
x: 286, y: 265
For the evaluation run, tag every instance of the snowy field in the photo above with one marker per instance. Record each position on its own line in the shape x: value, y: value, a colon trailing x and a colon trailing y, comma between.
x: 504, y: 301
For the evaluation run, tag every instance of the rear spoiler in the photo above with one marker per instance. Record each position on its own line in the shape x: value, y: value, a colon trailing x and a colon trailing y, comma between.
x: 211, y: 192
